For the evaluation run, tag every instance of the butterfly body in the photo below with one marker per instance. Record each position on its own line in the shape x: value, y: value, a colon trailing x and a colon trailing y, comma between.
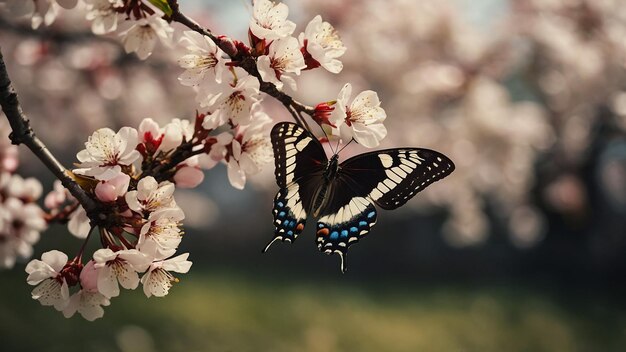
x: 342, y: 195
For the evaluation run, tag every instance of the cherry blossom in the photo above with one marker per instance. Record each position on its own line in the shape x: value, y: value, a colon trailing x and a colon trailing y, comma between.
x: 154, y: 138
x: 204, y: 65
x: 284, y: 57
x: 27, y: 189
x: 21, y: 220
x: 161, y: 234
x: 103, y: 14
x: 142, y: 36
x: 8, y: 152
x: 251, y: 149
x: 158, y: 280
x: 56, y: 197
x: 151, y: 196
x: 362, y: 119
x: 88, y: 301
x: 40, y: 11
x: 217, y: 152
x: 119, y: 267
x: 79, y: 224
x: 106, y: 151
x: 269, y: 20
x: 321, y: 45
x: 20, y: 226
x: 234, y: 103
x: 52, y: 288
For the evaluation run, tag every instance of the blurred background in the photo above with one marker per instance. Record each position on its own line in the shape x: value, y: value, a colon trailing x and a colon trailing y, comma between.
x: 522, y: 248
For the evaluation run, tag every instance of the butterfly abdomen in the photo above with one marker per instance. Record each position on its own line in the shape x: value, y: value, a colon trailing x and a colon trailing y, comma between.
x: 321, y: 196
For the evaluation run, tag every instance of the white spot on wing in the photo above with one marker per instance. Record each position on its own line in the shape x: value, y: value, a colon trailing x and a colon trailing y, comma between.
x: 386, y: 160
x: 303, y: 143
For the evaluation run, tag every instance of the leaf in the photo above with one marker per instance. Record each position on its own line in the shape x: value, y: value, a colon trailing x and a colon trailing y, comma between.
x: 163, y: 6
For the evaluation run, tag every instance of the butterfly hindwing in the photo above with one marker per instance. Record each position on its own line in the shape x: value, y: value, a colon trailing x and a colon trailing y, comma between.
x: 393, y: 176
x: 345, y: 226
x: 289, y: 215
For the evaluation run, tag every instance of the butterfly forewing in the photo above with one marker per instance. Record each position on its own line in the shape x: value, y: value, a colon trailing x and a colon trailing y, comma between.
x: 300, y: 161
x: 393, y: 176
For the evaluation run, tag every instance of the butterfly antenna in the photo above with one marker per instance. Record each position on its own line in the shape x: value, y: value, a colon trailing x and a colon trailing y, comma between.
x: 344, y: 147
x: 343, y: 259
x: 328, y: 139
x: 269, y: 244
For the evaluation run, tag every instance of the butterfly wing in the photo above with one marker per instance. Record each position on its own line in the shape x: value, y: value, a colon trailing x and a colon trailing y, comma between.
x: 300, y: 161
x: 393, y: 176
x: 388, y: 178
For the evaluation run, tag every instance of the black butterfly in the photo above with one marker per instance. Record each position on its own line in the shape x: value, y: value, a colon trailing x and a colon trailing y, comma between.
x: 341, y: 196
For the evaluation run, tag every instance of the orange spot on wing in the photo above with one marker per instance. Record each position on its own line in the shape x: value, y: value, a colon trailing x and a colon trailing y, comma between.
x: 323, y: 232
x: 300, y: 227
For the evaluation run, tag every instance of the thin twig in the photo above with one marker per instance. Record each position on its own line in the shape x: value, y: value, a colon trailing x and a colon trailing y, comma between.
x: 24, y: 134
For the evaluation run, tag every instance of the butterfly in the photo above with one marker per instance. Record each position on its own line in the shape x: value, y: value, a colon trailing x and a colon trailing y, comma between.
x: 342, y: 196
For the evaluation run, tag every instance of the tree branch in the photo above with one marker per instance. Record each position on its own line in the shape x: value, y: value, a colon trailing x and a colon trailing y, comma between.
x: 24, y: 134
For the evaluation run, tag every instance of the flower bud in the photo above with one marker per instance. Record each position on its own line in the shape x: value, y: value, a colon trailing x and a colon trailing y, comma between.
x: 89, y: 277
x: 322, y: 112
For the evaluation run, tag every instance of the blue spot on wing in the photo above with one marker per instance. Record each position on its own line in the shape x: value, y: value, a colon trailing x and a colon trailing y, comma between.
x: 339, y: 236
x: 287, y: 225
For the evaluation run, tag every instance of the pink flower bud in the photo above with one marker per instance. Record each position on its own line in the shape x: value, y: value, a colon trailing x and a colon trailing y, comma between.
x: 109, y: 191
x: 188, y: 177
x: 89, y: 277
x: 228, y: 46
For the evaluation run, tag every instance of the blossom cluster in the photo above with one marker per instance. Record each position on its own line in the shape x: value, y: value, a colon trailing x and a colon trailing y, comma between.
x: 141, y: 222
x: 21, y: 219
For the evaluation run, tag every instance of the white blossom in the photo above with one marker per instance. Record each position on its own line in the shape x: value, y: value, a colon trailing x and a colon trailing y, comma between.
x: 158, y: 280
x: 165, y: 138
x: 251, y: 149
x: 103, y: 14
x: 151, y: 195
x: 204, y: 63
x: 362, y: 119
x: 57, y: 196
x: 234, y: 103
x: 106, y: 151
x: 284, y: 57
x: 119, y: 267
x: 21, y: 220
x: 142, y: 36
x: 52, y: 289
x: 161, y: 234
x: 20, y: 226
x: 217, y: 151
x: 322, y: 42
x: 79, y: 224
x: 87, y: 301
x: 269, y: 20
x: 40, y: 11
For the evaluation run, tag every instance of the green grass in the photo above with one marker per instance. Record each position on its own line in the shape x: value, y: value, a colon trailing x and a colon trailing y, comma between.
x: 213, y: 312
